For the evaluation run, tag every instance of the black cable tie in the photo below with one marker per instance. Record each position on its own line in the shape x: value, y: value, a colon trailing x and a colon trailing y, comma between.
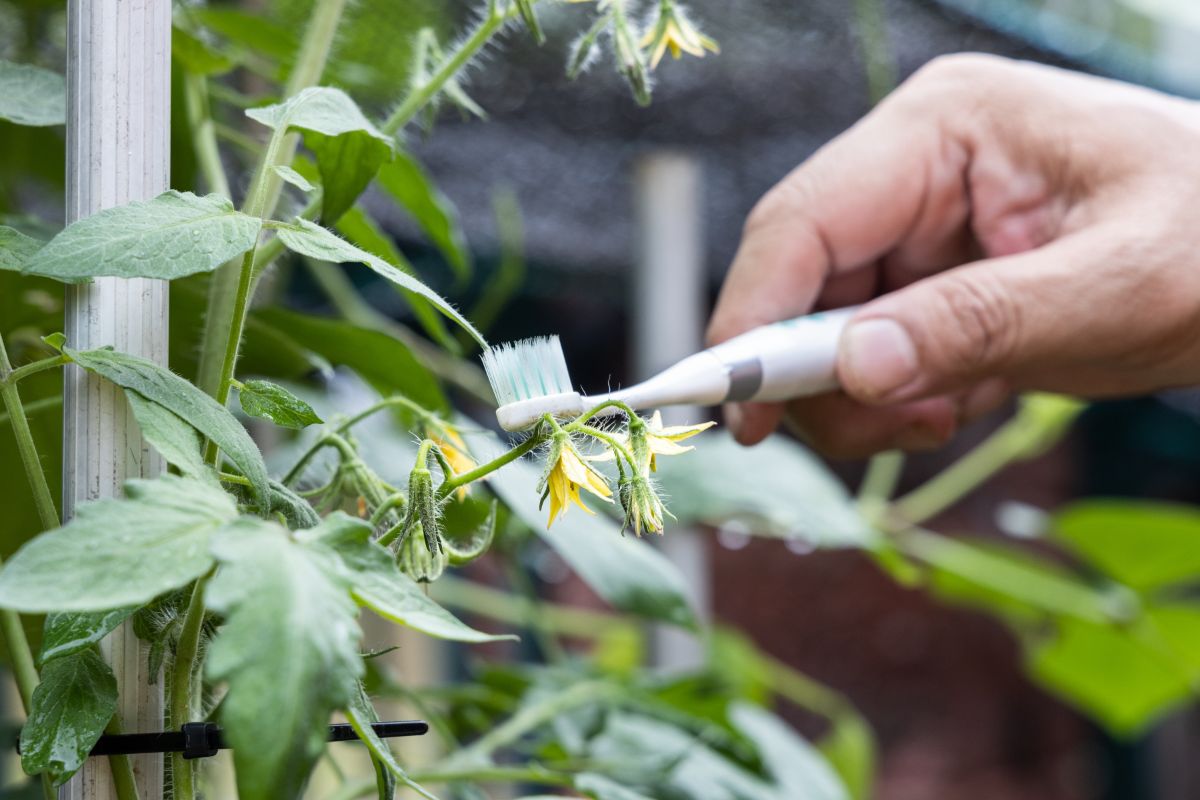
x: 204, y: 739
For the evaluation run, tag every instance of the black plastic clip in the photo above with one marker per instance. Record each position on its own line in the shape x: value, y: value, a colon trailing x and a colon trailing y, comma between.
x: 204, y: 739
x: 199, y: 739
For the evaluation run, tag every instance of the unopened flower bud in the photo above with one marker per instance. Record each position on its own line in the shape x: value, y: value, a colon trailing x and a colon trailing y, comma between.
x: 421, y: 515
x: 418, y: 560
x: 644, y: 510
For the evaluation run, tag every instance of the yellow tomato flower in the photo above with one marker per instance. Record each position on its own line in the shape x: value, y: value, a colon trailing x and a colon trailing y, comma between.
x: 662, y: 441
x: 674, y: 30
x: 566, y: 475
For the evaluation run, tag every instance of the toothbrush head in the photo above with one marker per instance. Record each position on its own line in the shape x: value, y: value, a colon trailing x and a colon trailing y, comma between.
x: 530, y: 379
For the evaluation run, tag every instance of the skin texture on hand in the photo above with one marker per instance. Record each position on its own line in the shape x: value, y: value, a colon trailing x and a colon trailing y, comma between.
x: 1020, y: 227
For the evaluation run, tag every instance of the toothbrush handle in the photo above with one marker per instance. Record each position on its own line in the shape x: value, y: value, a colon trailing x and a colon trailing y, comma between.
x: 785, y: 360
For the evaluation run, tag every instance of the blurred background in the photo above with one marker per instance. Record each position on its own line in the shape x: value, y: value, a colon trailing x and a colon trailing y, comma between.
x: 631, y: 216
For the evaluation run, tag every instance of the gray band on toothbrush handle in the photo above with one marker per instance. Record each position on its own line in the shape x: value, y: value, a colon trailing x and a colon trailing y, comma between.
x: 745, y: 379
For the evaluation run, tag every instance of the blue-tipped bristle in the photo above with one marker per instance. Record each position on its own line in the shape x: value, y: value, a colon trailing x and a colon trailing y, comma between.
x: 527, y: 369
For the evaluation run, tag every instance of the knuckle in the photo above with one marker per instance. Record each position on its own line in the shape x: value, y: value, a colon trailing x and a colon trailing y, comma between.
x: 951, y: 84
x: 957, y: 69
x: 979, y: 321
x: 774, y: 206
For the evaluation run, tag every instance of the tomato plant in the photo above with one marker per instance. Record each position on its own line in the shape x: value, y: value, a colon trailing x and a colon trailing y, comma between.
x: 248, y: 570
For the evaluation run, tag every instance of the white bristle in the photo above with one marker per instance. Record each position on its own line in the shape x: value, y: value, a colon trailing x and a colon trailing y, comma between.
x: 527, y: 369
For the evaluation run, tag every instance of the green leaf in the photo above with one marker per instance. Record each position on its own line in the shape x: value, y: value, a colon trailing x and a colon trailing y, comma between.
x: 312, y: 240
x: 16, y: 248
x: 288, y: 653
x: 798, y: 768
x: 71, y: 707
x: 349, y: 149
x: 173, y: 235
x: 1124, y: 678
x: 194, y: 55
x: 164, y: 387
x: 360, y: 714
x: 850, y: 748
x: 294, y: 178
x: 362, y: 231
x: 1145, y: 546
x: 529, y: 15
x: 379, y: 585
x: 66, y: 633
x: 120, y: 552
x: 675, y: 762
x: 382, y: 361
x: 603, y: 788
x: 779, y: 487
x: 175, y: 440
x: 295, y: 509
x: 348, y: 163
x: 31, y: 95
x: 252, y: 32
x: 407, y: 183
x: 625, y: 571
x: 266, y: 400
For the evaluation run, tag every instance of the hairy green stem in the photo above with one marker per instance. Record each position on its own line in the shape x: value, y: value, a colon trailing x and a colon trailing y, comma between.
x: 43, y: 499
x: 607, y: 438
x: 121, y: 767
x: 395, y: 401
x: 484, y: 470
x: 20, y: 373
x: 883, y: 473
x: 15, y: 641
x: 802, y: 690
x: 878, y: 485
x: 450, y: 66
x: 230, y: 288
x: 204, y: 134
x: 963, y: 476
x: 182, y: 669
x: 21, y: 657
x: 328, y: 440
x: 607, y: 404
x: 393, y: 501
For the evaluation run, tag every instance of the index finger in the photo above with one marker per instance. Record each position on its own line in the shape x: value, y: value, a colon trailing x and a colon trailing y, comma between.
x: 859, y: 197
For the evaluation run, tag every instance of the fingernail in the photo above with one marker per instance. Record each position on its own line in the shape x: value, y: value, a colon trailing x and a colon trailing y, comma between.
x: 879, y: 357
x: 733, y: 417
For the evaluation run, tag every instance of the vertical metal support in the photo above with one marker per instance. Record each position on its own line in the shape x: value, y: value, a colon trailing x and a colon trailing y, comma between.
x: 669, y: 309
x: 118, y: 137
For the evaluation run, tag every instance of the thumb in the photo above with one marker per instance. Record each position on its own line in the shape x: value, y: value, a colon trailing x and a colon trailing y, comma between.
x: 951, y: 330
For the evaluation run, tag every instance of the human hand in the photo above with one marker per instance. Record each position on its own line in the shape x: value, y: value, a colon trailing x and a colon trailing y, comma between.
x: 1022, y: 227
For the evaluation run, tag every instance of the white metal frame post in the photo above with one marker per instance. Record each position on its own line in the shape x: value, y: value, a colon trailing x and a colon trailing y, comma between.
x: 669, y: 309
x: 118, y: 151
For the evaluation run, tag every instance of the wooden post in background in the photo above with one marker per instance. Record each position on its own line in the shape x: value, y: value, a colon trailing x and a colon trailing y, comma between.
x: 669, y: 310
x: 118, y: 150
